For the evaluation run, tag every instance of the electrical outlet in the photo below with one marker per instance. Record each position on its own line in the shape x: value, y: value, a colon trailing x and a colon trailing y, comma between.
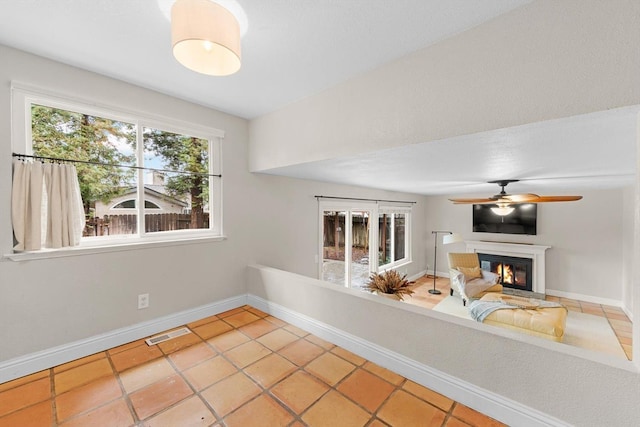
x: 143, y: 301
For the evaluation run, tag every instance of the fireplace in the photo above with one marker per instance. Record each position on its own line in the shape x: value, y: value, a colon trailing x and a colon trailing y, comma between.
x: 535, y: 253
x: 514, y: 272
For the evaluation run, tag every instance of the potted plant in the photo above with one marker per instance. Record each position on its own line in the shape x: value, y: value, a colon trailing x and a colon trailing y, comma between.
x: 390, y: 284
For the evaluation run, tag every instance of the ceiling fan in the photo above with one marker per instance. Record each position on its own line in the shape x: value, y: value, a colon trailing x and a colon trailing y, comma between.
x: 503, y: 200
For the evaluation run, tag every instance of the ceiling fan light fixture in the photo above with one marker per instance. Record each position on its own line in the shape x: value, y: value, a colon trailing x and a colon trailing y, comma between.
x: 502, y: 209
x: 503, y: 200
x: 205, y: 37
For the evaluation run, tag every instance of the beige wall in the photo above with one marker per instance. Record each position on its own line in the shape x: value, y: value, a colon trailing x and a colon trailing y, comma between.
x: 545, y: 60
x: 289, y: 239
x: 628, y: 259
x: 563, y: 381
x: 591, y: 249
x: 54, y: 302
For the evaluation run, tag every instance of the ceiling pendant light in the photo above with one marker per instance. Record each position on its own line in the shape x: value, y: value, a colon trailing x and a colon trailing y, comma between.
x: 205, y: 37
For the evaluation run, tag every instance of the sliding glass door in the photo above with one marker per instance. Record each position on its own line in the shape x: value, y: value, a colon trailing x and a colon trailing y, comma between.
x: 346, y: 251
x: 358, y: 238
x: 360, y: 268
x: 333, y: 246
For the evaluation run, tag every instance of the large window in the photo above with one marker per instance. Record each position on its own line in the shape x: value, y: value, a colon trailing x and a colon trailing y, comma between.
x: 353, y: 244
x: 122, y: 158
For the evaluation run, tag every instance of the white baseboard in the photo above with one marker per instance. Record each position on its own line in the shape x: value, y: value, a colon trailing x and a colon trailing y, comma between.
x: 55, y: 356
x: 416, y: 276
x: 585, y: 298
x: 438, y: 273
x: 496, y: 406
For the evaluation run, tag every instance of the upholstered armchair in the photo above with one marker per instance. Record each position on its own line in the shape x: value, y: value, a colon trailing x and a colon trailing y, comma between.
x: 467, y: 278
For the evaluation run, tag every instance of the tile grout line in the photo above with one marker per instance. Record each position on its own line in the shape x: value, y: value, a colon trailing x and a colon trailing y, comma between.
x: 219, y: 417
x: 241, y: 370
x: 301, y: 368
x: 220, y: 353
x: 265, y: 391
x: 196, y: 393
x: 52, y: 396
x: 615, y: 331
x: 56, y: 394
x: 125, y: 394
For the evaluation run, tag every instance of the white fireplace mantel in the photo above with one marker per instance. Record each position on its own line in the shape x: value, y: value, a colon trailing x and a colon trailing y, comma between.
x: 522, y: 250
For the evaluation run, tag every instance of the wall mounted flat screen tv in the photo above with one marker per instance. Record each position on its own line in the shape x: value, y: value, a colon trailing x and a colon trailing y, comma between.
x: 521, y: 221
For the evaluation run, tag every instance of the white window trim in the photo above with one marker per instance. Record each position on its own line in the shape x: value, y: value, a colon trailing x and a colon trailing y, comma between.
x: 375, y: 208
x: 349, y: 208
x: 407, y: 238
x: 23, y: 96
x: 105, y: 248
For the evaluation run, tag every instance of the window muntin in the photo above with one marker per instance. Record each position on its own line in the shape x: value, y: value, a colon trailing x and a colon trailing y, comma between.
x: 130, y: 152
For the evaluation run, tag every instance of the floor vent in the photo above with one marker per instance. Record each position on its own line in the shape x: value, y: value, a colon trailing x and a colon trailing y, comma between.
x: 166, y: 337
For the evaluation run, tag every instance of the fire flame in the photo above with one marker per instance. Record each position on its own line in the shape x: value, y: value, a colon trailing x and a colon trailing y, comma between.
x: 507, y: 274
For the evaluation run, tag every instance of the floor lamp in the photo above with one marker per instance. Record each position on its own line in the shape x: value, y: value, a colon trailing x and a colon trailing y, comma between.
x: 449, y: 237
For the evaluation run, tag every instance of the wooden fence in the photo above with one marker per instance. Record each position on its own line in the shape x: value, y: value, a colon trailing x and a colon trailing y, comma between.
x: 128, y: 224
x: 334, y: 229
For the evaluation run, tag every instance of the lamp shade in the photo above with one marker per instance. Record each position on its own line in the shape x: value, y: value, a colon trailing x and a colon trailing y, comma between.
x: 205, y: 37
x: 451, y: 238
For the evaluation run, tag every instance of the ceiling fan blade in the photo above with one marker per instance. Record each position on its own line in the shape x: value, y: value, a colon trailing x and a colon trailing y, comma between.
x: 471, y: 201
x: 548, y: 199
x: 503, y: 199
x: 522, y: 198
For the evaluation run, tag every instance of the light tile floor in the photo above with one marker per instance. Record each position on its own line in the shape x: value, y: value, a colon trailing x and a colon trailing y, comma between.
x: 239, y: 368
x: 618, y: 320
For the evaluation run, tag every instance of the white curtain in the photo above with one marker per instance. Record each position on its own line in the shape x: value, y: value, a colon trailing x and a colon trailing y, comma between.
x: 46, y: 206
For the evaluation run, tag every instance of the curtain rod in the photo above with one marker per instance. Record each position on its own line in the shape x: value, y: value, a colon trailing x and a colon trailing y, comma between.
x: 88, y: 162
x: 366, y: 200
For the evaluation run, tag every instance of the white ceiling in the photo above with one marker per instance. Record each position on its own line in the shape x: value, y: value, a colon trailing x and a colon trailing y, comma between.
x: 290, y: 50
x: 293, y: 49
x: 591, y: 151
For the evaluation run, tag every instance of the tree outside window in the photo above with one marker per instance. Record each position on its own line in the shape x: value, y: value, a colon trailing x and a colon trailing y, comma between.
x: 111, y: 181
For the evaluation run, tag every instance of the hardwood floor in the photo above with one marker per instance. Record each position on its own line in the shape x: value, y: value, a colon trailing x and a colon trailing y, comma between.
x: 616, y: 317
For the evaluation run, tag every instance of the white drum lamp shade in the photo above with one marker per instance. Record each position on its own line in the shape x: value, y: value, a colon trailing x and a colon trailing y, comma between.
x: 205, y: 37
